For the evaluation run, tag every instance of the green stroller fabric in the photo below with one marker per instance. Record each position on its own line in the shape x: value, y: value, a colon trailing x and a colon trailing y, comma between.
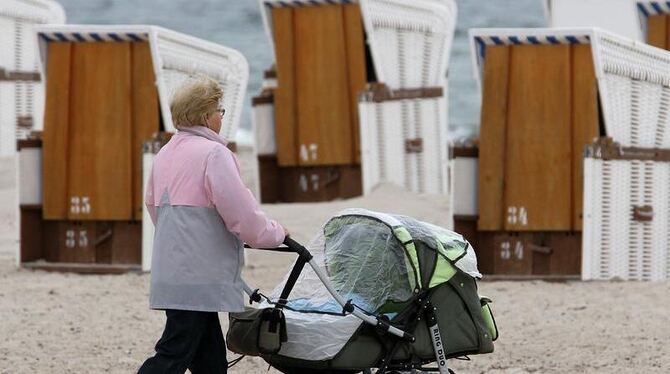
x: 377, y: 261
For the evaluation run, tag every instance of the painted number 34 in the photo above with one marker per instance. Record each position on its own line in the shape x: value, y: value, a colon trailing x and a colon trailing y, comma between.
x: 511, y: 250
x: 517, y: 216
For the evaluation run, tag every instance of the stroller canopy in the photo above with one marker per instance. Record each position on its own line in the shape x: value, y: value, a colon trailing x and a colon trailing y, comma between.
x: 372, y: 259
x: 377, y: 261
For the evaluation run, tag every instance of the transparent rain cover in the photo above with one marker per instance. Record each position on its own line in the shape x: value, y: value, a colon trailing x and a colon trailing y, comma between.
x: 366, y: 263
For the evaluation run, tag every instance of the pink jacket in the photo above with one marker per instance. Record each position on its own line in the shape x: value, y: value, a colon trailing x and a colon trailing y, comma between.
x: 203, y: 213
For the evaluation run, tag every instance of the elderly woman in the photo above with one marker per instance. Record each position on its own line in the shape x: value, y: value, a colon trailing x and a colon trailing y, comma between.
x: 203, y: 213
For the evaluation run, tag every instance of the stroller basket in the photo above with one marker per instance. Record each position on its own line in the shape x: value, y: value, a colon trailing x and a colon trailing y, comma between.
x: 382, y: 291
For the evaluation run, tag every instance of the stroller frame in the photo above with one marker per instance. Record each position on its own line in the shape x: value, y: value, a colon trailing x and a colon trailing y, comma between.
x: 422, y: 308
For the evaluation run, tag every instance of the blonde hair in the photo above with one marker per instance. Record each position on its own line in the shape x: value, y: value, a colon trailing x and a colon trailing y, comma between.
x: 194, y: 101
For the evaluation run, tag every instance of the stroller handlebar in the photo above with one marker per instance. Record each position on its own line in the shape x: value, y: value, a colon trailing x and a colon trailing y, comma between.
x: 298, y: 248
x: 291, y: 246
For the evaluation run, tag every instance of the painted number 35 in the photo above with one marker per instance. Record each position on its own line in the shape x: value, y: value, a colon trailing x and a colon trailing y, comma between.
x: 80, y: 205
x: 73, y: 240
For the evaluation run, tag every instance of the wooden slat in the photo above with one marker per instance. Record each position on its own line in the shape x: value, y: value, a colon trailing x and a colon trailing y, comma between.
x: 285, y: 101
x: 584, y: 122
x: 55, y: 134
x: 31, y: 233
x: 145, y: 114
x: 322, y: 92
x: 485, y: 250
x: 118, y: 242
x: 355, y: 46
x: 19, y: 76
x: 379, y: 92
x: 492, y: 138
x: 100, y: 131
x: 319, y: 183
x: 532, y: 277
x: 269, y: 176
x: 51, y: 242
x: 127, y: 245
x: 566, y: 256
x: 657, y: 31
x: 538, y: 160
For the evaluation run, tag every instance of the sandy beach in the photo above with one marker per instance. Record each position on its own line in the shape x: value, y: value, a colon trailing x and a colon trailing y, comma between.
x: 68, y: 323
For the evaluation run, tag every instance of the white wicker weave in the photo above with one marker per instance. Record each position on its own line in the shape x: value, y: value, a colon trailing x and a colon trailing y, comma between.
x: 465, y: 185
x: 632, y: 78
x: 30, y: 177
x: 263, y: 127
x: 19, y: 53
x: 402, y: 36
x: 176, y: 57
x: 405, y: 35
x: 614, y: 244
x: 384, y: 128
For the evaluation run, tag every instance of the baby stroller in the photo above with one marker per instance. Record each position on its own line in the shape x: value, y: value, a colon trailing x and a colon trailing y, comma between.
x: 383, y: 292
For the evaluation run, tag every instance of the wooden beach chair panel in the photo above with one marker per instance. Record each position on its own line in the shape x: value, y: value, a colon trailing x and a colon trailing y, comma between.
x: 319, y: 183
x: 284, y: 95
x: 657, y: 31
x: 100, y: 171
x: 118, y: 242
x: 512, y: 253
x: 564, y: 258
x: 538, y: 155
x: 145, y: 112
x: 355, y: 46
x: 71, y: 242
x: 269, y: 175
x: 31, y: 233
x: 322, y: 88
x: 55, y: 134
x: 126, y: 248
x: 492, y: 138
x: 584, y: 122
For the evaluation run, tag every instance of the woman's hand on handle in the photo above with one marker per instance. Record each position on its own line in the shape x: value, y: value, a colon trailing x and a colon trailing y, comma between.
x: 298, y: 248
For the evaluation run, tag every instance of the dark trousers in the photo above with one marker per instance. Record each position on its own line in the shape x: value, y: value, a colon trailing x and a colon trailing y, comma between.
x: 191, y: 340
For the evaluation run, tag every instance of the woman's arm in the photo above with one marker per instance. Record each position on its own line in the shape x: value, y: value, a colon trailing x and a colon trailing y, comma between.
x: 236, y: 204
